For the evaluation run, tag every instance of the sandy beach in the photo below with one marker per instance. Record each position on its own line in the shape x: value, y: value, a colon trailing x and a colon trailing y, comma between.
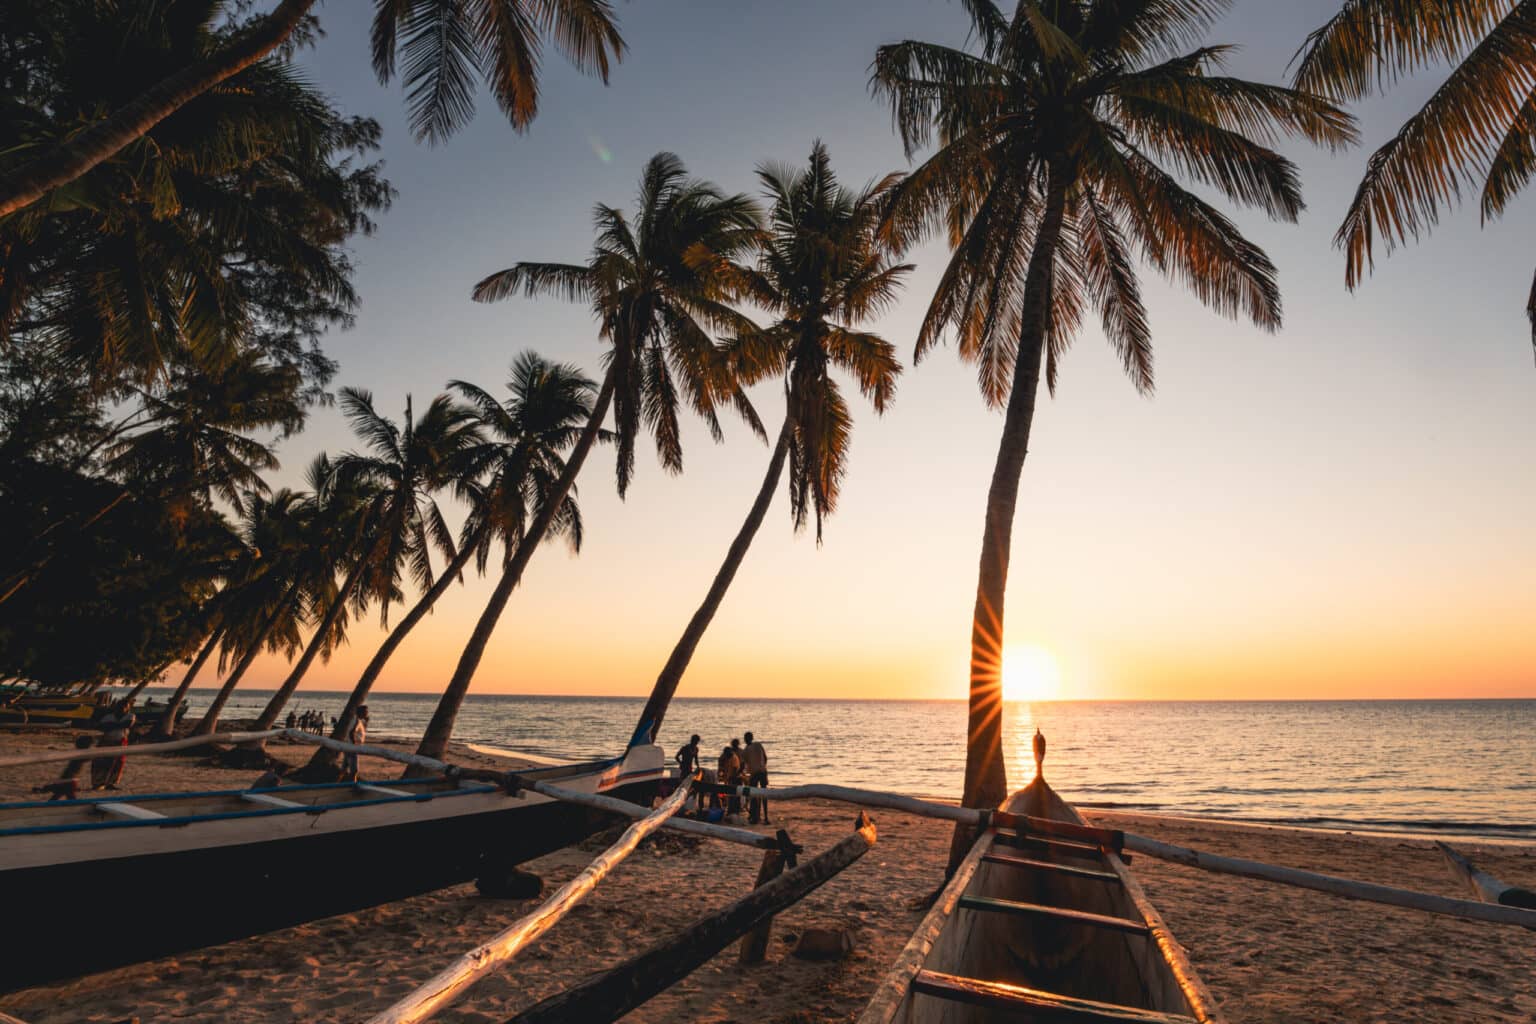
x: 1271, y: 955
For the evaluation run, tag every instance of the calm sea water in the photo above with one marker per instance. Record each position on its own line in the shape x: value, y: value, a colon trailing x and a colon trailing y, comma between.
x: 1424, y: 766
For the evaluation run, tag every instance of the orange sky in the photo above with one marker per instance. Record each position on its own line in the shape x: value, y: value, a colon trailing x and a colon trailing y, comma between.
x: 1343, y: 509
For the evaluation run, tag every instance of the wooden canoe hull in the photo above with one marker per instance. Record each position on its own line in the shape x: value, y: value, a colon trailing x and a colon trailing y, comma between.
x: 190, y: 892
x: 1055, y: 931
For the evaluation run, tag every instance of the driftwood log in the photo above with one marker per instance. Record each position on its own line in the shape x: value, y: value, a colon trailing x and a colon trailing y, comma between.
x: 453, y: 981
x: 611, y: 994
x: 1483, y: 885
x: 754, y: 948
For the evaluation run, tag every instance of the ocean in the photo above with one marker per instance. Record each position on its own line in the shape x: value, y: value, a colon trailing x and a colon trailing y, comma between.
x: 1426, y: 767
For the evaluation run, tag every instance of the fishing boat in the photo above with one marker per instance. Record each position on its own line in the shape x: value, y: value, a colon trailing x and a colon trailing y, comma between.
x: 1042, y: 924
x: 78, y: 704
x: 233, y: 863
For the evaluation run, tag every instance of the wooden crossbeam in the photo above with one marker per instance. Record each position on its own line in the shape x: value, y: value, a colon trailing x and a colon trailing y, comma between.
x: 1045, y: 865
x: 130, y: 811
x: 268, y: 800
x: 1066, y: 846
x: 368, y: 787
x: 1083, y: 917
x: 1044, y: 1007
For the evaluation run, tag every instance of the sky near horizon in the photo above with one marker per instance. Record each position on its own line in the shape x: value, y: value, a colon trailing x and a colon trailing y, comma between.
x: 1341, y: 509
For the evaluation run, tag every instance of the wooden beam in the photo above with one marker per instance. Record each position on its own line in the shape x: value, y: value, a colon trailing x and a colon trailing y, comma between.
x: 266, y: 799
x: 754, y: 948
x: 454, y: 980
x: 131, y: 812
x: 135, y: 749
x: 611, y: 994
x: 1051, y: 866
x: 996, y: 906
x: 368, y: 787
x: 613, y: 805
x: 1483, y: 885
x: 1037, y: 1004
x: 1470, y: 910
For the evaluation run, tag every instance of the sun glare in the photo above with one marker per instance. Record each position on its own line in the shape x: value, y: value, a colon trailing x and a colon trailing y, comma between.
x: 1030, y: 674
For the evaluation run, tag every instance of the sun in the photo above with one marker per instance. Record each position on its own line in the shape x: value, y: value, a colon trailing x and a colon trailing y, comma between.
x: 1030, y: 674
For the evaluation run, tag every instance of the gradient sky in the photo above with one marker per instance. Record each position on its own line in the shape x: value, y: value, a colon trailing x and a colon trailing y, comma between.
x: 1342, y: 509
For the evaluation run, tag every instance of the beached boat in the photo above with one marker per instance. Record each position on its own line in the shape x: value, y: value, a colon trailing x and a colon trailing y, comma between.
x: 227, y: 864
x: 79, y: 704
x: 1038, y: 927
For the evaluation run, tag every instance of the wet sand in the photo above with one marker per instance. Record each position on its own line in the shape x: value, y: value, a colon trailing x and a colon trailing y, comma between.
x: 1270, y: 954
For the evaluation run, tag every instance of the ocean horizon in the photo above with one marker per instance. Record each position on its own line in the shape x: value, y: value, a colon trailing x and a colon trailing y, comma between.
x: 1420, y: 766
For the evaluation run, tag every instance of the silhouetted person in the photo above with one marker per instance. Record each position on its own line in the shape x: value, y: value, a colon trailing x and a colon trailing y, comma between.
x: 67, y: 786
x: 755, y: 758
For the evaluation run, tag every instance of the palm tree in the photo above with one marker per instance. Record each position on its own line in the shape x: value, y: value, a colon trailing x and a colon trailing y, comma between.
x: 443, y: 45
x: 1051, y: 144
x: 345, y: 534
x: 657, y: 290
x: 524, y: 467
x: 1478, y: 129
x: 261, y: 605
x: 406, y: 464
x: 823, y: 270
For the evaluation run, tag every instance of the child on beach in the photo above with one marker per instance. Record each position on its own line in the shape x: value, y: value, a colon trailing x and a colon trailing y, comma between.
x: 68, y: 786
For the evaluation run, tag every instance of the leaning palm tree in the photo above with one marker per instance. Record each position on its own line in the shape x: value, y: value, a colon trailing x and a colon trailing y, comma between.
x: 408, y: 464
x: 523, y: 464
x: 823, y: 270
x: 1054, y: 134
x: 445, y: 46
x: 260, y: 608
x: 346, y: 535
x: 1478, y: 130
x: 657, y: 290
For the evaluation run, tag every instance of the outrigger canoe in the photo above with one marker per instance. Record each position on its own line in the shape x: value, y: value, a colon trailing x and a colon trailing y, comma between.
x: 223, y: 865
x: 1037, y: 927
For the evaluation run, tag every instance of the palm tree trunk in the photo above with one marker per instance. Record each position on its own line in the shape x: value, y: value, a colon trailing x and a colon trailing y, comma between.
x: 435, y: 740
x: 986, y: 776
x: 285, y: 692
x: 210, y: 719
x: 100, y: 142
x: 324, y: 756
x: 672, y: 673
x: 168, y: 723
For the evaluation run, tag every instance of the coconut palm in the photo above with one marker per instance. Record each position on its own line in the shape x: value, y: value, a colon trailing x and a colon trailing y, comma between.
x: 407, y: 464
x: 345, y: 533
x: 657, y: 289
x: 822, y: 271
x: 524, y: 469
x: 1478, y: 129
x: 260, y: 607
x: 443, y: 44
x: 1055, y: 137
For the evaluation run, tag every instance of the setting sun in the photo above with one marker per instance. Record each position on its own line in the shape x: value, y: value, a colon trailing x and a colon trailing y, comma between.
x: 1029, y: 674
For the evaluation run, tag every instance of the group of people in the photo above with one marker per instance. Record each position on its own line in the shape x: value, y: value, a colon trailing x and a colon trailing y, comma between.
x: 309, y: 721
x: 738, y: 766
x: 116, y: 727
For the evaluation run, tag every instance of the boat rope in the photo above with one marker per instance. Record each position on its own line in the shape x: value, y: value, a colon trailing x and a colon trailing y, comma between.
x: 453, y: 981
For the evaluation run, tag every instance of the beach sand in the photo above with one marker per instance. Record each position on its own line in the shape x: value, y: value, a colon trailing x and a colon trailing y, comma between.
x: 1270, y: 954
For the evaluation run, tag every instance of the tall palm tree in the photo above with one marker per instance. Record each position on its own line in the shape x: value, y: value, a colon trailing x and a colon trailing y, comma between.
x: 823, y: 270
x: 443, y: 45
x: 1478, y: 129
x: 523, y: 464
x: 345, y: 534
x: 1053, y: 132
x: 261, y: 605
x: 657, y: 290
x: 407, y: 465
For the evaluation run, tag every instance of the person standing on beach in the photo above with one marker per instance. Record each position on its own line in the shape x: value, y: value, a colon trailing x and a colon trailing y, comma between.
x: 730, y: 775
x: 756, y: 760
x: 357, y: 735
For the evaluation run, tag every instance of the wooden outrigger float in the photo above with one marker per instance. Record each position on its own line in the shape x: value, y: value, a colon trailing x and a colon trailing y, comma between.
x: 1042, y: 924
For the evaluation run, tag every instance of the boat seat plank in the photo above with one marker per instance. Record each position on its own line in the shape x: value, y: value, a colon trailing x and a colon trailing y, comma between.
x: 268, y: 800
x: 130, y: 811
x: 1040, y: 842
x: 998, y: 906
x: 1045, y: 865
x: 368, y: 787
x: 1039, y: 1005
